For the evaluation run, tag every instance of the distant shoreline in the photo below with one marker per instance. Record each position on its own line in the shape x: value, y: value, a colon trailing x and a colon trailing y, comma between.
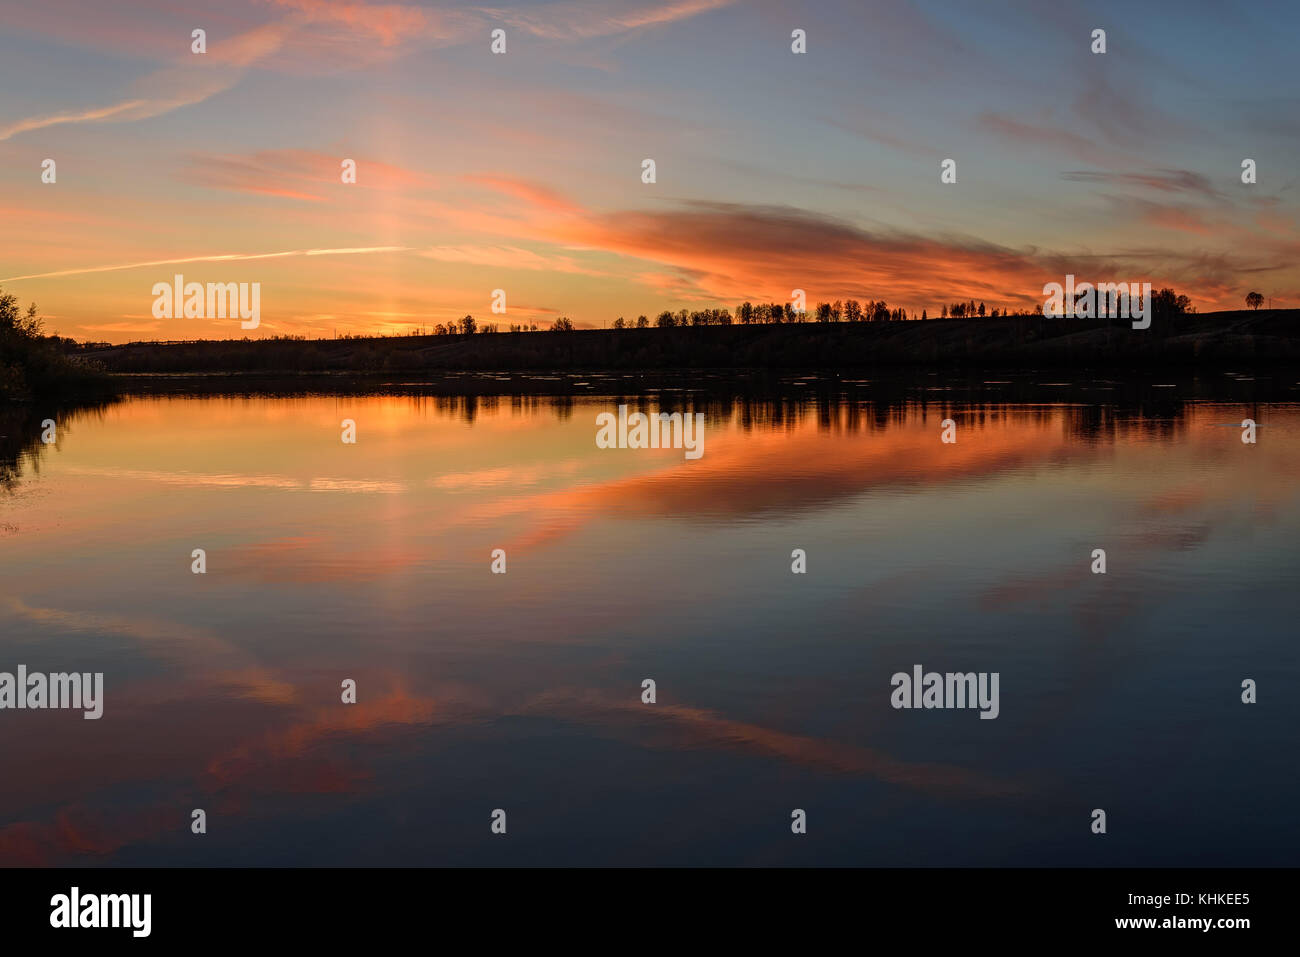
x: 1210, y: 340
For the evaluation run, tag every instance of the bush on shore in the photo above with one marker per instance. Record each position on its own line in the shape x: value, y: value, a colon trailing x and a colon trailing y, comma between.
x: 33, y: 365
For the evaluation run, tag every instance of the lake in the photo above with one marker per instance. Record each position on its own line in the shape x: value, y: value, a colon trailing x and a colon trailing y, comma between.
x: 372, y: 561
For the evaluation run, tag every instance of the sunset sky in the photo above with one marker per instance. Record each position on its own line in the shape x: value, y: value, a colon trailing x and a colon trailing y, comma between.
x: 522, y: 171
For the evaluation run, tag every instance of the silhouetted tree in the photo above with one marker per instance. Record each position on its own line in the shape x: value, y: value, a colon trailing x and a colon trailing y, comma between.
x: 32, y: 364
x: 1254, y: 300
x: 1166, y: 304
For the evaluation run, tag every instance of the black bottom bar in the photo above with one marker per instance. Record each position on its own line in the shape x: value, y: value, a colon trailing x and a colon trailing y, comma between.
x: 667, y: 907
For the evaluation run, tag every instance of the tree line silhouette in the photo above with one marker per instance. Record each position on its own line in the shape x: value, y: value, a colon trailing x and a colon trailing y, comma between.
x: 1164, y: 304
x: 829, y: 334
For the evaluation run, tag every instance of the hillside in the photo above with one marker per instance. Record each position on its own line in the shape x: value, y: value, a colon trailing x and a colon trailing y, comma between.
x: 1266, y: 336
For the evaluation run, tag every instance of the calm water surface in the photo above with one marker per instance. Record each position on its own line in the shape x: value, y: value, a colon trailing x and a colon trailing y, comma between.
x: 522, y: 691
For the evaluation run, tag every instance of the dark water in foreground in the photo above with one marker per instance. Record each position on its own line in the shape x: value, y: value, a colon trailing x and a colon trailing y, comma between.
x: 522, y: 691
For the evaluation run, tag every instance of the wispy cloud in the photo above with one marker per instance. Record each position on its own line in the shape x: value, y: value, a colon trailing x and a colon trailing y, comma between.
x: 507, y: 257
x: 128, y: 110
x: 579, y: 21
x: 1161, y: 180
x: 172, y: 87
x: 1073, y: 144
x: 296, y: 173
x: 224, y: 257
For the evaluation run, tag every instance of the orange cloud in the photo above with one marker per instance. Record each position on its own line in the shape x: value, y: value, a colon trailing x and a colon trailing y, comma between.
x: 1176, y: 218
x: 534, y: 194
x: 579, y: 21
x: 386, y: 23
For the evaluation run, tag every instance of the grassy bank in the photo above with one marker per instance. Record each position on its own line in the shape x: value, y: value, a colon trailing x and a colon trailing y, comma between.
x: 1210, y: 339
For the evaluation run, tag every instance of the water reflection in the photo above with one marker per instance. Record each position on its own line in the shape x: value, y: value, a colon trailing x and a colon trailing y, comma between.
x: 327, y: 561
x: 21, y: 430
